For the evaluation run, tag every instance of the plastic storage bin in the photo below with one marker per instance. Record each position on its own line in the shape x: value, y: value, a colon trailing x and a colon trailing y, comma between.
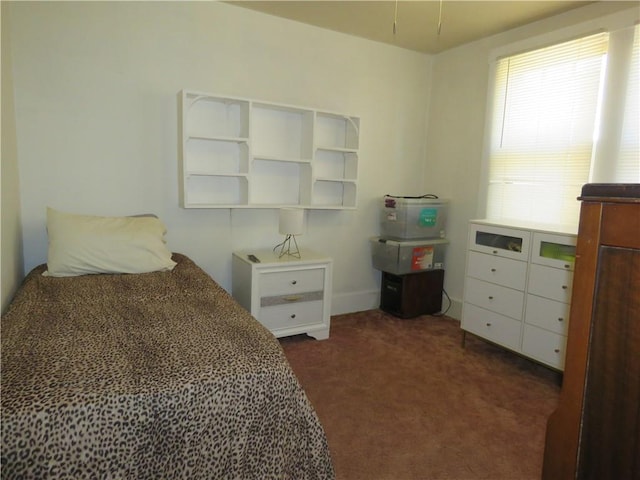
x: 412, y: 256
x: 413, y: 218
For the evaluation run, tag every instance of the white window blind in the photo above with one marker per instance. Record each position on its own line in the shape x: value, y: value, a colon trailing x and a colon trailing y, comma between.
x: 628, y: 165
x: 544, y: 112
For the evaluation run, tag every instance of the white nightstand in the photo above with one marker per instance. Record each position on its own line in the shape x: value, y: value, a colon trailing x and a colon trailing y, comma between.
x: 287, y: 295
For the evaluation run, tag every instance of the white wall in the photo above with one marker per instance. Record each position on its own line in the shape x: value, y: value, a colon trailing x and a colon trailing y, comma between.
x: 96, y: 115
x: 457, y: 122
x: 95, y: 100
x: 12, y: 267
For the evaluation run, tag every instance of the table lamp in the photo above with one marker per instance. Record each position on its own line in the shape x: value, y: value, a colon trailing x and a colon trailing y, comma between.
x: 291, y: 224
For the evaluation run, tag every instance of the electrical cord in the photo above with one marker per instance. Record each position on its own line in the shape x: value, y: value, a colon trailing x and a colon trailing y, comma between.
x: 442, y: 314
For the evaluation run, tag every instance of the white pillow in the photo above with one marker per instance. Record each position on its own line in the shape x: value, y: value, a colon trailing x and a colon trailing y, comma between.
x: 84, y: 244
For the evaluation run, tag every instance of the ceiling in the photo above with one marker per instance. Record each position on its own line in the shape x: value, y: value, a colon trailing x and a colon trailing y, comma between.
x: 417, y: 21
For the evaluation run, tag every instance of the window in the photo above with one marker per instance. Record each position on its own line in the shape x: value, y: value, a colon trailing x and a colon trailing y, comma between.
x: 628, y: 166
x: 546, y: 118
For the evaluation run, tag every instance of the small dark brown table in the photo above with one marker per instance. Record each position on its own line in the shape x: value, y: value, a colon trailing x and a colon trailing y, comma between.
x: 413, y: 294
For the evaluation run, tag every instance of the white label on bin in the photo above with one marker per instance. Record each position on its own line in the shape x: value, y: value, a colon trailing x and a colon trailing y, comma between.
x: 392, y: 216
x: 422, y: 258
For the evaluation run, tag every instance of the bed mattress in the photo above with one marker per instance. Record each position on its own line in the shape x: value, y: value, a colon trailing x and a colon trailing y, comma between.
x: 155, y: 375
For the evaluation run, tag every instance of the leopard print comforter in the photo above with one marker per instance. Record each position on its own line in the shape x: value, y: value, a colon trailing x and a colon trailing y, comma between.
x: 151, y: 376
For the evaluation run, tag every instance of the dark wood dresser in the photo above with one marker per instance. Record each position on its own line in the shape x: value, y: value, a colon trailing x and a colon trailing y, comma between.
x: 595, y: 431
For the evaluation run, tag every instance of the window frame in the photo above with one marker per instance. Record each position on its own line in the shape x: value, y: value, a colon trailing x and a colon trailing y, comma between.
x: 612, y: 23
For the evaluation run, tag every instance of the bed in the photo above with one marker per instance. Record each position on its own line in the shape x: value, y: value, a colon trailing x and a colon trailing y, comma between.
x: 149, y: 375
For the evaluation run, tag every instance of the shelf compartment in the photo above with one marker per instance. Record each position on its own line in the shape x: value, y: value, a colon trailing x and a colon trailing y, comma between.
x: 334, y: 193
x: 223, y: 156
x: 282, y: 132
x: 209, y: 116
x: 280, y: 159
x: 337, y: 131
x: 275, y: 182
x: 206, y: 191
x: 337, y: 164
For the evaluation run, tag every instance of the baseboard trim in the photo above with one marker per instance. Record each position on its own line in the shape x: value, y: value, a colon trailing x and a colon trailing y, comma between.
x: 370, y: 299
x: 354, y: 302
x: 455, y: 310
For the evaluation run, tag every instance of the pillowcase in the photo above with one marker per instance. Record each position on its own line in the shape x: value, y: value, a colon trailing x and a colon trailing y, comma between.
x: 85, y: 244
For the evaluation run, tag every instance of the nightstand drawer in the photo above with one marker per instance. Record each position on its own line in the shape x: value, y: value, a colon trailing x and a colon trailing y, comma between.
x: 503, y: 300
x: 291, y: 298
x: 503, y: 271
x: 550, y: 283
x: 492, y: 326
x: 291, y: 315
x: 547, y: 314
x: 291, y: 282
x: 544, y: 346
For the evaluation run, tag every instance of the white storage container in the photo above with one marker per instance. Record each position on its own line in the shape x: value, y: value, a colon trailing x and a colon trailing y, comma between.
x: 401, y: 257
x: 404, y: 218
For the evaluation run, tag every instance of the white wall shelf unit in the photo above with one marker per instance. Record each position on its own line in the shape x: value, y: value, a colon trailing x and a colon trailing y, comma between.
x: 241, y: 153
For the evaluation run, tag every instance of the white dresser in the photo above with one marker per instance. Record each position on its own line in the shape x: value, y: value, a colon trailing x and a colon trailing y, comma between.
x: 287, y: 295
x: 518, y: 287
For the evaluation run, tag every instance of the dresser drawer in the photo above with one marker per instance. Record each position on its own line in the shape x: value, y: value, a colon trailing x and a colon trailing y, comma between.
x: 547, y: 314
x: 279, y: 317
x: 291, y: 282
x: 500, y: 241
x: 492, y: 326
x: 544, y: 346
x: 557, y: 251
x: 502, y: 271
x: 496, y: 298
x: 550, y: 283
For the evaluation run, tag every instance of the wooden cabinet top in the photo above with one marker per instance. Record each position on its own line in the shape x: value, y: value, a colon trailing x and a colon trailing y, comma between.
x: 611, y: 192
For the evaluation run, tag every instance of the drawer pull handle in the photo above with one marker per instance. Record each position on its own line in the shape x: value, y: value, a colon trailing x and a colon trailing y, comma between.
x: 490, y: 297
x: 557, y: 350
x: 564, y: 287
x: 293, y: 315
x: 567, y: 265
x: 488, y: 324
x: 493, y: 269
x: 560, y: 319
x: 292, y: 298
x: 294, y: 282
x: 495, y: 252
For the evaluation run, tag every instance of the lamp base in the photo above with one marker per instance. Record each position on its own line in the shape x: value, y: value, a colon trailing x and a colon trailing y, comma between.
x: 287, y: 248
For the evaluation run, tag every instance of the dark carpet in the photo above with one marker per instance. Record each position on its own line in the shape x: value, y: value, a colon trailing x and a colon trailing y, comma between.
x: 402, y: 399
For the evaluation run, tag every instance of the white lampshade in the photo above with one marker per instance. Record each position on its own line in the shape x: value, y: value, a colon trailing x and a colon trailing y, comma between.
x: 291, y: 221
